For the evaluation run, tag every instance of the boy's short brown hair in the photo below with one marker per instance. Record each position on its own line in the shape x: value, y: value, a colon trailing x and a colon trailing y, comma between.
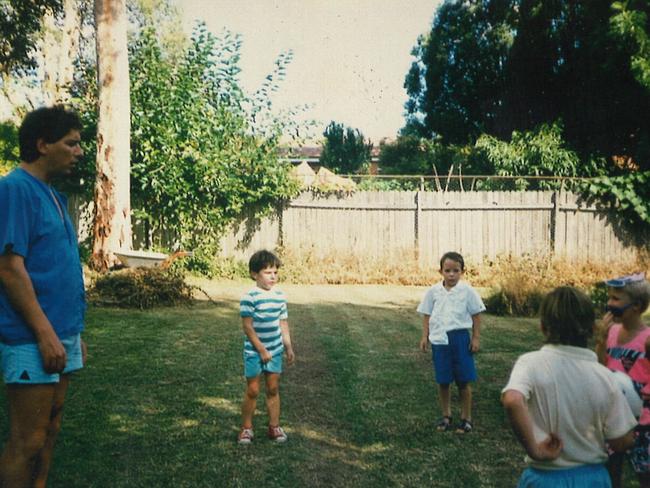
x: 263, y: 259
x: 567, y: 317
x: 453, y: 256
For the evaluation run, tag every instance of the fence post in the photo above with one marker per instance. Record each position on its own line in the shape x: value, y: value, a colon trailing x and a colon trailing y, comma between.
x: 418, y: 219
x: 555, y: 211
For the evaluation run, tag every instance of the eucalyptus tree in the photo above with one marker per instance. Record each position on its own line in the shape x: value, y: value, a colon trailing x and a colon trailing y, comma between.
x: 112, y: 203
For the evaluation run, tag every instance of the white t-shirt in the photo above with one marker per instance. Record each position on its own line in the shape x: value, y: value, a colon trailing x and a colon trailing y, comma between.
x: 570, y: 394
x: 449, y: 309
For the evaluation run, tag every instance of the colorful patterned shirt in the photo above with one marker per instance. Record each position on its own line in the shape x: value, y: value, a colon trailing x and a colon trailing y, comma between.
x: 267, y: 308
x: 630, y: 358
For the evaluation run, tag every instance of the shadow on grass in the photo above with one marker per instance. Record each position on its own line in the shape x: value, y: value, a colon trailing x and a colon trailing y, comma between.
x: 158, y: 404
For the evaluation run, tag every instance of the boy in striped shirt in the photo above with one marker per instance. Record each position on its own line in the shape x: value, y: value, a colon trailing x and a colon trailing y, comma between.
x: 264, y: 318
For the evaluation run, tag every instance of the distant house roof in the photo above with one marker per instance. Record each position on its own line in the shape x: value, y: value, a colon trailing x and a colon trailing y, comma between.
x: 312, y: 153
x: 302, y: 153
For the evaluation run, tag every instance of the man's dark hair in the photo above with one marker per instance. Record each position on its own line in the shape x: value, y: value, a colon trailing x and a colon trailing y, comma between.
x: 47, y: 123
x: 567, y: 317
x: 454, y: 256
x: 263, y: 259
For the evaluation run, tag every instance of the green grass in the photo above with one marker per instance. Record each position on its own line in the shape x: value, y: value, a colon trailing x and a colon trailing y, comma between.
x: 158, y: 403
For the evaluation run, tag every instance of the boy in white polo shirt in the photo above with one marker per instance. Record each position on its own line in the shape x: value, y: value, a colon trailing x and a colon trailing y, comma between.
x: 563, y: 405
x: 450, y: 310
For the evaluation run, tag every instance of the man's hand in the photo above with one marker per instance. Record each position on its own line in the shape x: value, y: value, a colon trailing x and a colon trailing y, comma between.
x: 53, y: 353
x: 475, y: 344
x: 424, y: 342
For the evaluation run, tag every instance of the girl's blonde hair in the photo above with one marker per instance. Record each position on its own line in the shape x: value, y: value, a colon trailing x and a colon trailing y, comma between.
x: 638, y: 292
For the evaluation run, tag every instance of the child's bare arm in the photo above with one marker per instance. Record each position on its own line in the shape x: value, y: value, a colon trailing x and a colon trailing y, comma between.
x: 522, y: 425
x: 424, y: 340
x: 476, y: 333
x: 602, y: 331
x: 286, y: 340
x: 247, y: 324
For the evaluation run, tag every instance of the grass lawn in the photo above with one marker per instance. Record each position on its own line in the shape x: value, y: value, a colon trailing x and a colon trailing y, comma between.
x: 158, y: 404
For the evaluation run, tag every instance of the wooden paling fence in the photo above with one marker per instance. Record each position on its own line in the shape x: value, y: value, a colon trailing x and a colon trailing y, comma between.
x: 425, y: 224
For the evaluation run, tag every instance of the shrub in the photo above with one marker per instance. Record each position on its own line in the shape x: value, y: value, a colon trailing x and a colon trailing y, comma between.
x: 141, y: 288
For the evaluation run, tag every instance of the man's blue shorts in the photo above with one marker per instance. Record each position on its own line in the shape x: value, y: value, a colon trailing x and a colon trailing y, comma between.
x: 23, y: 364
x: 454, y: 361
x: 587, y: 476
x: 253, y: 365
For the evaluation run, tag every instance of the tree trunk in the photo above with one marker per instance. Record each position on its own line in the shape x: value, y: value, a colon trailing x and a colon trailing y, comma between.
x: 59, y: 50
x: 112, y: 226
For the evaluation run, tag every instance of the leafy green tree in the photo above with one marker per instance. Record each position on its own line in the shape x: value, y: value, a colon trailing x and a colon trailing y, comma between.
x: 9, y: 157
x: 20, y: 23
x: 200, y: 157
x: 541, y: 152
x: 497, y: 67
x: 344, y: 149
x: 630, y: 24
x: 407, y: 155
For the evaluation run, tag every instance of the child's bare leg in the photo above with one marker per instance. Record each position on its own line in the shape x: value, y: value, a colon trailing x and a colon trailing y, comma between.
x: 465, y: 394
x: 250, y: 401
x: 273, y: 398
x: 445, y: 399
x: 615, y: 468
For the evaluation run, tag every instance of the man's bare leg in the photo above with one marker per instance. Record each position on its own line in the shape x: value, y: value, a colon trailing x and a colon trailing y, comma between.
x: 35, y: 419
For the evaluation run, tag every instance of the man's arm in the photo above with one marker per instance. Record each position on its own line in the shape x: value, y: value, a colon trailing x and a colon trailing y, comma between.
x: 286, y: 340
x: 517, y: 410
x: 247, y: 324
x: 20, y: 290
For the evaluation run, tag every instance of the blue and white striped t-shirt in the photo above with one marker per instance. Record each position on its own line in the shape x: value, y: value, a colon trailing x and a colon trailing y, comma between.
x: 267, y: 307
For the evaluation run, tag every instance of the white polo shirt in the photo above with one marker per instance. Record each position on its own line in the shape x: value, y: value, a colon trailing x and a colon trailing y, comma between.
x: 570, y: 394
x: 449, y: 309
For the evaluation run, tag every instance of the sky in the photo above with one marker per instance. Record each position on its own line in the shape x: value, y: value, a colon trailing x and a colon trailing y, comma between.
x: 350, y: 57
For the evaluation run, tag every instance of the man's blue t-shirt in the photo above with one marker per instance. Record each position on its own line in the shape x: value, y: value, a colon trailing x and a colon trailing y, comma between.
x: 31, y: 225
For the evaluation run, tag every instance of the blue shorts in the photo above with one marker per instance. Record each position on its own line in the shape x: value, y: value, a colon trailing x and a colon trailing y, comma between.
x: 454, y: 361
x: 587, y: 476
x: 23, y: 364
x: 253, y: 365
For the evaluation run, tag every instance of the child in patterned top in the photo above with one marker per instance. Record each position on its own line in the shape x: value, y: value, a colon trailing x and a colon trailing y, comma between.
x: 624, y: 345
x: 264, y: 318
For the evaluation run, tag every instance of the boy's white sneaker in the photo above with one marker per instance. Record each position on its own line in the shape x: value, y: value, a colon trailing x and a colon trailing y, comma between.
x: 245, y: 436
x: 276, y: 434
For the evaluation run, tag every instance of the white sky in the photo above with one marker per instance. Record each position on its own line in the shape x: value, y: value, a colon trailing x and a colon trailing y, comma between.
x: 350, y: 56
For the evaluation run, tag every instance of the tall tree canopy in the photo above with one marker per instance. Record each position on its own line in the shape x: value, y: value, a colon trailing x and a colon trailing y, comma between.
x: 496, y: 66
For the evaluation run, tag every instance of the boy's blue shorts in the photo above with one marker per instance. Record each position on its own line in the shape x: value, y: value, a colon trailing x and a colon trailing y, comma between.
x: 23, y: 363
x: 454, y: 361
x: 253, y: 365
x: 587, y: 476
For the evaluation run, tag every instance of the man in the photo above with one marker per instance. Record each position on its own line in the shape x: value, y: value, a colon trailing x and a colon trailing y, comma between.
x: 42, y: 301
